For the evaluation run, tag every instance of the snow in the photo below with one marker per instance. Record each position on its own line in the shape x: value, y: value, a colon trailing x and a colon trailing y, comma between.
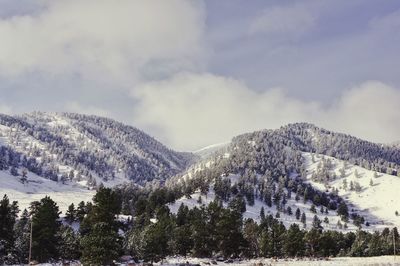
x: 370, y: 261
x: 38, y: 187
x: 209, y: 150
x: 253, y: 212
x: 354, y: 261
x: 376, y: 203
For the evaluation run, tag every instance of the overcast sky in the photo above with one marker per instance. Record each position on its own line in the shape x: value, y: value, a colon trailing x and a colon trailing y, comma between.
x: 195, y: 73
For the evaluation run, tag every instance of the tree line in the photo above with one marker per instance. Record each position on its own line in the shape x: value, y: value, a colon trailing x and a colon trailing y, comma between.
x: 153, y: 233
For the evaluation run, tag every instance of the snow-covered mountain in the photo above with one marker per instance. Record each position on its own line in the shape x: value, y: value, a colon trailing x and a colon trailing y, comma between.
x: 85, y: 149
x: 296, y: 167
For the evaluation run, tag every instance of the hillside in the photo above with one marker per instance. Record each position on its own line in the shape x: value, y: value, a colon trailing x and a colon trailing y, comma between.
x: 65, y: 146
x: 295, y: 167
x: 36, y: 188
x: 297, y: 170
x: 376, y: 201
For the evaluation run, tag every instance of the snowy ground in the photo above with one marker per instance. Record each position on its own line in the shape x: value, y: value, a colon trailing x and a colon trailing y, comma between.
x: 347, y: 261
x: 376, y: 203
x: 371, y: 261
x: 38, y: 187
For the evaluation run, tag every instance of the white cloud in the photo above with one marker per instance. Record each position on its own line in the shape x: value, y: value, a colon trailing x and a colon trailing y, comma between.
x: 370, y: 111
x: 289, y: 20
x: 103, y: 39
x: 197, y: 110
x: 5, y: 109
x: 189, y: 111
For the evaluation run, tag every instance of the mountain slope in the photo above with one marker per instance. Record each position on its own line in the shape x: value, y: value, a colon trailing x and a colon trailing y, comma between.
x: 272, y: 167
x: 65, y: 146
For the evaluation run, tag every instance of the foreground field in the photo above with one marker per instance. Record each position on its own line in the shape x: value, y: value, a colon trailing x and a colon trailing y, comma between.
x: 365, y: 261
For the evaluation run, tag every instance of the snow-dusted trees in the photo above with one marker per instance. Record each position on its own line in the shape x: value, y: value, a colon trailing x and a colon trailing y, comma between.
x: 45, y: 225
x: 100, y: 241
x: 8, y: 215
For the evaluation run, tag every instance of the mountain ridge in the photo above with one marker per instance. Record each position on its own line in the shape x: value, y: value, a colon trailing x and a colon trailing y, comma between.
x: 88, y: 145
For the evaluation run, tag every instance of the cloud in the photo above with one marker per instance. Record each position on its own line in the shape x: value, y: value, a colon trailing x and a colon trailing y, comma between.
x: 5, y: 109
x: 370, y: 111
x: 100, y: 39
x: 291, y: 20
x: 190, y: 110
x: 194, y: 110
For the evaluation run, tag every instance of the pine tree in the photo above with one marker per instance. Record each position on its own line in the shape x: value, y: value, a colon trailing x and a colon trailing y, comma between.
x: 294, y: 245
x: 8, y: 215
x: 181, y: 243
x: 69, y: 247
x: 298, y: 214
x: 106, y: 205
x: 262, y: 213
x: 229, y: 235
x: 312, y: 241
x: 156, y: 239
x: 313, y: 209
x: 46, y: 224
x: 81, y: 211
x: 200, y: 234
x: 22, y: 237
x: 251, y: 233
x: 343, y: 211
x: 316, y: 222
x: 303, y: 219
x: 101, y: 246
x: 70, y: 215
x: 289, y: 211
x: 101, y: 225
x: 339, y: 225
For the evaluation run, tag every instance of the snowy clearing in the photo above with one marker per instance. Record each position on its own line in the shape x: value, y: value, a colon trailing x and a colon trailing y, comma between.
x: 372, y: 261
x: 39, y: 187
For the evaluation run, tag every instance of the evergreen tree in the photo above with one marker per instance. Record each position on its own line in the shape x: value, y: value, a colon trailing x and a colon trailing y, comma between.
x: 229, y: 235
x: 294, y: 244
x: 343, y: 211
x: 22, y: 232
x: 70, y: 215
x: 262, y: 213
x: 311, y: 239
x: 101, y: 217
x: 8, y: 215
x: 46, y: 224
x: 69, y: 247
x: 238, y: 204
x: 156, y: 240
x: 81, y: 211
x: 182, y: 243
x: 303, y: 219
x: 200, y: 233
x: 251, y: 235
x: 316, y: 222
x: 289, y: 210
x: 101, y: 246
x: 106, y: 205
x: 298, y: 214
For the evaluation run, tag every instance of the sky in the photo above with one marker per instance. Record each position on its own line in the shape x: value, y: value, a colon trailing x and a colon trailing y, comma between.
x: 196, y: 73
